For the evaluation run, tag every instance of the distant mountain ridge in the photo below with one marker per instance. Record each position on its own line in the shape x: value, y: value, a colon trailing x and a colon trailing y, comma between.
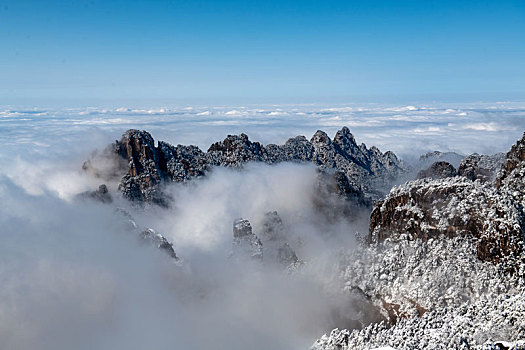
x: 144, y: 167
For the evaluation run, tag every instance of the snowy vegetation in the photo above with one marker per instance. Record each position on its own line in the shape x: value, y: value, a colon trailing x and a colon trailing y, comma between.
x: 472, y: 304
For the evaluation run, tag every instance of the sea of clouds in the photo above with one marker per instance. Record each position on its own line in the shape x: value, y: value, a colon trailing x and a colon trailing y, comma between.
x: 73, y: 275
x: 468, y: 128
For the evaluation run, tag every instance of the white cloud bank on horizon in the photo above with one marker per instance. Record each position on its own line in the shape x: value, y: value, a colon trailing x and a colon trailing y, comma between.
x: 406, y: 130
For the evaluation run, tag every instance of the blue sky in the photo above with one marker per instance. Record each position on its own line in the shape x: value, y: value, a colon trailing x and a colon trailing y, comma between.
x: 279, y: 51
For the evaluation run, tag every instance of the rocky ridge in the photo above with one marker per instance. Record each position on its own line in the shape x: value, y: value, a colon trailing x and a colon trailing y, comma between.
x: 444, y: 262
x: 510, y: 178
x: 245, y: 243
x: 147, y: 235
x: 469, y: 204
x: 363, y: 174
x: 101, y: 195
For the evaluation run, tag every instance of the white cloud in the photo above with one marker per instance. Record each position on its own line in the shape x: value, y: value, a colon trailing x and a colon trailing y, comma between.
x: 491, y: 127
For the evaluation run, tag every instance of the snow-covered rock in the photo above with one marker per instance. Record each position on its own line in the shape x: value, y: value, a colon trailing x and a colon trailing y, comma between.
x: 147, y: 234
x: 451, y: 207
x: 444, y: 263
x: 467, y: 303
x: 245, y: 243
x: 481, y: 167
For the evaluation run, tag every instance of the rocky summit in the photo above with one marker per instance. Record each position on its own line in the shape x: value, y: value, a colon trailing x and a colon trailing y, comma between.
x: 363, y: 174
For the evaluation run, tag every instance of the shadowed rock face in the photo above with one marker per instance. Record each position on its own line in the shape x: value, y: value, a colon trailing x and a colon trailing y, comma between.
x: 144, y: 167
x: 273, y: 227
x: 148, y: 167
x: 438, y: 170
x: 274, y: 235
x: 335, y: 196
x: 514, y: 159
x: 286, y: 255
x: 143, y: 176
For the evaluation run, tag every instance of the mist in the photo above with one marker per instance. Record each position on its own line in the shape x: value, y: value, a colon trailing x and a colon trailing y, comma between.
x: 74, y: 275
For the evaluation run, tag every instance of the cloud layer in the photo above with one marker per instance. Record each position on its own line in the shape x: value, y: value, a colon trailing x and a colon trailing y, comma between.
x: 482, y: 128
x: 74, y: 276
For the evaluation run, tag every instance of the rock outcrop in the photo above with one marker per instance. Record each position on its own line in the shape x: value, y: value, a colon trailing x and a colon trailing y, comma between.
x: 147, y: 235
x: 159, y: 241
x: 273, y: 227
x: 335, y: 196
x: 429, y: 158
x: 272, y: 247
x: 421, y: 270
x: 512, y: 175
x: 471, y: 204
x: 143, y: 177
x: 235, y: 151
x: 438, y: 170
x: 481, y: 167
x: 276, y: 247
x: 245, y: 243
x: 144, y: 167
x: 451, y: 207
x: 286, y: 255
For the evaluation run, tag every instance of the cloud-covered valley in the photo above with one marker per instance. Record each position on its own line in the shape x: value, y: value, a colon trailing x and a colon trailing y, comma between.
x: 74, y: 275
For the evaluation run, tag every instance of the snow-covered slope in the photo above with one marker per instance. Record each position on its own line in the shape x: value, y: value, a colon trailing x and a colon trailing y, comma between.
x: 444, y: 263
x: 463, y: 302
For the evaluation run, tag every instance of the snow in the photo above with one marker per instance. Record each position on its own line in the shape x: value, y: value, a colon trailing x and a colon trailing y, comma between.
x: 472, y: 304
x: 436, y: 293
